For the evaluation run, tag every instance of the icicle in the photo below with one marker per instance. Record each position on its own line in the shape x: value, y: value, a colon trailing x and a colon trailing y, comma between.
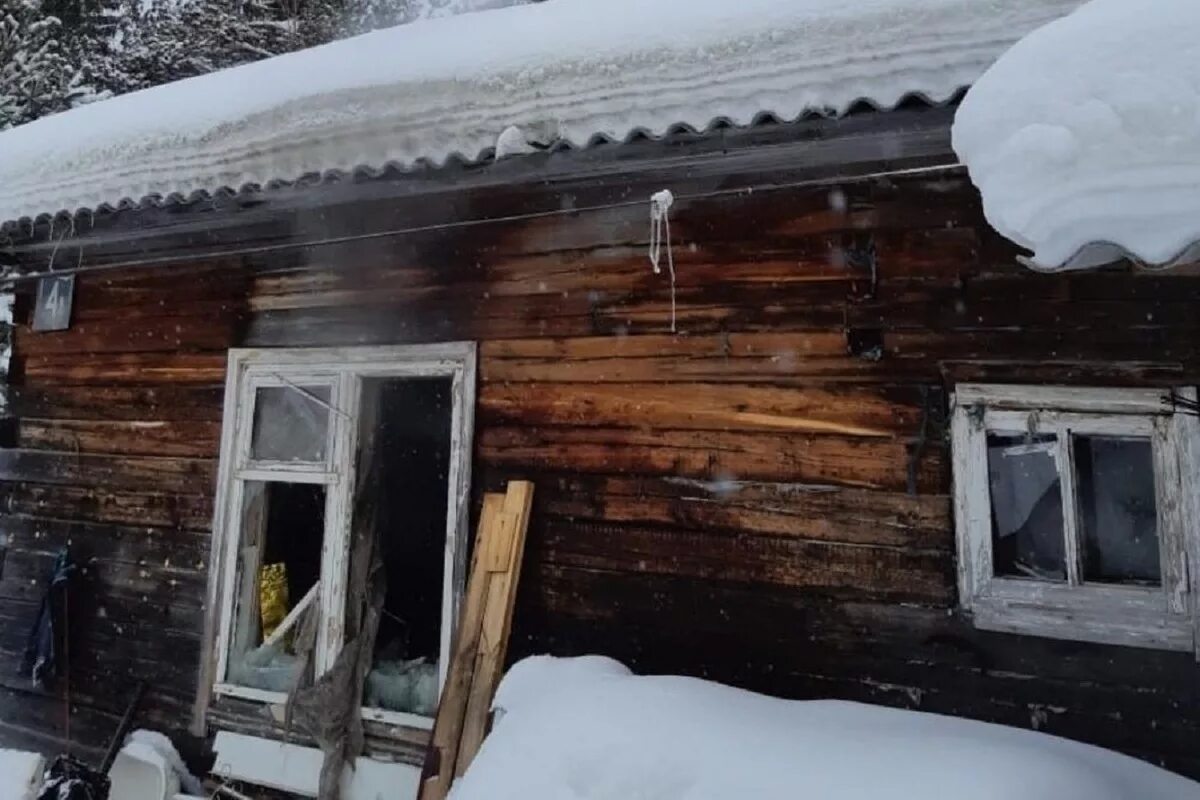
x: 660, y: 232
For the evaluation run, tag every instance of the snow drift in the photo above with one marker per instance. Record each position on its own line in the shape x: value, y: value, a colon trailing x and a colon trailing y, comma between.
x: 1085, y: 137
x: 20, y: 774
x: 567, y: 69
x: 586, y: 728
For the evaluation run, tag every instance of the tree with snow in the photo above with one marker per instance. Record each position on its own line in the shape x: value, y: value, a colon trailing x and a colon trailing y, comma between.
x: 35, y: 74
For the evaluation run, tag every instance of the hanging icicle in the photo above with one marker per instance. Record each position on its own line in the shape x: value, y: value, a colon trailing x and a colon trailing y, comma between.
x: 660, y: 233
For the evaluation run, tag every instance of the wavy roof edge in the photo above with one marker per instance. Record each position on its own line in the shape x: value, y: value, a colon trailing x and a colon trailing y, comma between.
x: 565, y: 73
x: 395, y: 169
x: 1102, y: 253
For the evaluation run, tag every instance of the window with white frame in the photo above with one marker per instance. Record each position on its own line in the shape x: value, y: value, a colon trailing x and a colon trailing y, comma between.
x: 1076, y: 512
x: 302, y: 429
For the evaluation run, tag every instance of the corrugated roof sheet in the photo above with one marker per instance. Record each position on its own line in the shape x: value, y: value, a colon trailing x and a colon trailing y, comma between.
x: 567, y: 72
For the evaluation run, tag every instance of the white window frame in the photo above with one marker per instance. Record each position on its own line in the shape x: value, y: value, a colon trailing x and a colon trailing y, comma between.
x: 1156, y: 617
x: 344, y: 370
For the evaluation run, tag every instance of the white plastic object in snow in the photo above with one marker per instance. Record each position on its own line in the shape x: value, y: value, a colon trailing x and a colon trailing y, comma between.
x: 439, y: 87
x: 576, y: 728
x: 141, y: 773
x: 146, y: 769
x: 1084, y: 138
x: 20, y: 774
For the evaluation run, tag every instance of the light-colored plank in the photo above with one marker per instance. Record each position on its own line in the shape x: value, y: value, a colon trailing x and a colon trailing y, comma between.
x: 497, y: 621
x: 447, y: 729
x: 292, y: 617
x: 1080, y: 399
x: 1169, y: 492
x: 972, y: 512
x: 296, y: 769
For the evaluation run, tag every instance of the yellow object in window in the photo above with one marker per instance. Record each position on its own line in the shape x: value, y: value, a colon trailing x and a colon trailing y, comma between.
x: 272, y: 596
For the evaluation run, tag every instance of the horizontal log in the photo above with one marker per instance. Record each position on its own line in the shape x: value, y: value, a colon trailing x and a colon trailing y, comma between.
x: 776, y: 358
x: 132, y: 403
x: 552, y: 275
x: 137, y: 473
x: 162, y: 599
x: 160, y: 437
x: 120, y: 653
x: 446, y: 313
x: 133, y: 369
x: 1149, y: 344
x: 715, y: 456
x: 35, y: 722
x: 820, y: 567
x: 1073, y: 373
x: 162, y: 549
x: 1017, y: 304
x: 851, y: 516
x: 855, y: 632
x: 860, y: 412
x: 91, y: 504
x: 129, y: 334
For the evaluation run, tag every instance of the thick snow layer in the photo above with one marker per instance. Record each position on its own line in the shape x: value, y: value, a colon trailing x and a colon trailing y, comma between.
x: 576, y: 730
x: 438, y: 87
x: 1088, y: 132
x: 20, y: 774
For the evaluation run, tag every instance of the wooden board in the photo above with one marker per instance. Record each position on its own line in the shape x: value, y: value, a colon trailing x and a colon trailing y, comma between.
x: 482, y: 638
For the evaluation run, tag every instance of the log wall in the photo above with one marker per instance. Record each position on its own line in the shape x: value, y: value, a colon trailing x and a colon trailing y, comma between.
x: 760, y: 498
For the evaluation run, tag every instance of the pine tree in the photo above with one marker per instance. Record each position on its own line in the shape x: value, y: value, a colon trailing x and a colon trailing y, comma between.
x: 58, y: 53
x: 34, y: 72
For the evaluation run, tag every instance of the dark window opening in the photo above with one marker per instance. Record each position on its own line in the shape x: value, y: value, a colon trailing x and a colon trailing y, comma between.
x: 410, y: 471
x: 1117, y: 510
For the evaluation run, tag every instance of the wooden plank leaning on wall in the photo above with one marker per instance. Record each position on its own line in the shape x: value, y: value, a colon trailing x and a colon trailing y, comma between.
x: 482, y: 638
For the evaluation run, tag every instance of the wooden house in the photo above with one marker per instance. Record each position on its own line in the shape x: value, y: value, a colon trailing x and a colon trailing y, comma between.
x: 772, y: 463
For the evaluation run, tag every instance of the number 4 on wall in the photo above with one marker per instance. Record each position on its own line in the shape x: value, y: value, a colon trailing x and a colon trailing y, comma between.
x: 55, y: 295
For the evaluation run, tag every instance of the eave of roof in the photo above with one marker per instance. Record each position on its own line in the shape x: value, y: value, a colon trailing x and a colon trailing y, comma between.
x: 569, y: 72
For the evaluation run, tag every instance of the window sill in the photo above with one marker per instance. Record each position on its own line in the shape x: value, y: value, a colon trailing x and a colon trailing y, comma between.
x: 399, y: 719
x: 1119, y: 616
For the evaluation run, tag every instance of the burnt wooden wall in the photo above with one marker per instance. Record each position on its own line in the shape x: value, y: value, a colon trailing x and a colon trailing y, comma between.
x: 762, y: 498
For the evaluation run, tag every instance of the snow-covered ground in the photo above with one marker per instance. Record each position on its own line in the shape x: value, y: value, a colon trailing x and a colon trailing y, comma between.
x: 567, y: 69
x: 587, y: 729
x: 20, y: 774
x: 1088, y: 131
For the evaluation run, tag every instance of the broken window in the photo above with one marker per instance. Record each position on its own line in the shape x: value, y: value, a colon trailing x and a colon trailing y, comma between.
x: 1027, y: 522
x: 291, y: 423
x: 279, y: 563
x: 314, y: 432
x: 1073, y: 512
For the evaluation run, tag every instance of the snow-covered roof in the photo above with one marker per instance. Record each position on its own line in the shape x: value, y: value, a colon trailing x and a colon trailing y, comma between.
x: 1084, y: 139
x: 570, y: 70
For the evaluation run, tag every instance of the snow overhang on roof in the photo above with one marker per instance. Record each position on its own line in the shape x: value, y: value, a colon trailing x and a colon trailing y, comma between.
x: 564, y: 70
x: 1084, y: 138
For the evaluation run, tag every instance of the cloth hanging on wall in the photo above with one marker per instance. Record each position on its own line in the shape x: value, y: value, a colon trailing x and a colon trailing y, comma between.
x: 330, y: 708
x: 41, y: 659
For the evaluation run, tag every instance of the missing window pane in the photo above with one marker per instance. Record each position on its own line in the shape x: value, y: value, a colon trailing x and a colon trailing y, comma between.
x: 280, y: 561
x: 291, y: 423
x: 1117, y: 510
x: 1027, y: 521
x: 410, y: 467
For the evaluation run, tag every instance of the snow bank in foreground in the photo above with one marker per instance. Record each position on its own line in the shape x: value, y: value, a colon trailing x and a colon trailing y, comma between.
x: 569, y: 69
x: 587, y: 728
x: 1088, y: 131
x: 20, y: 774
